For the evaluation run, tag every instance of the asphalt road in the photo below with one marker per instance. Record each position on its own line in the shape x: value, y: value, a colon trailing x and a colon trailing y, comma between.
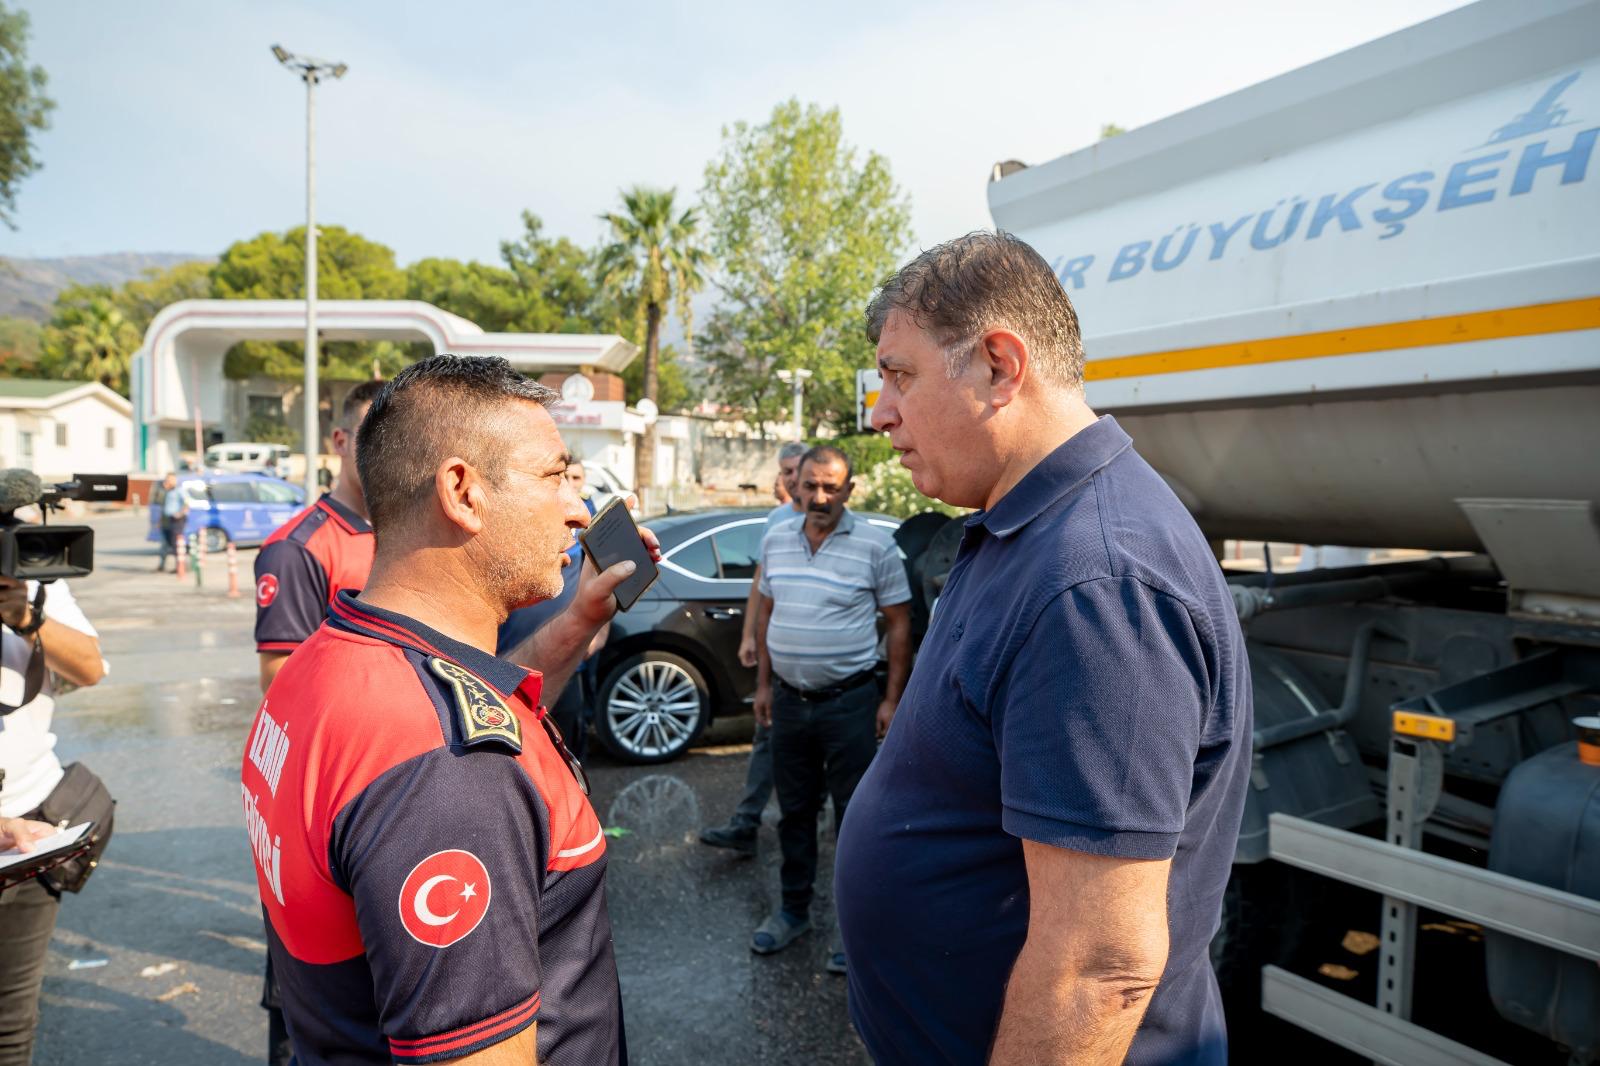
x: 160, y: 959
x: 167, y: 936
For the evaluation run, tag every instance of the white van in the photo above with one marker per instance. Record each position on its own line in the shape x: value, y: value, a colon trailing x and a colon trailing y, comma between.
x: 252, y: 458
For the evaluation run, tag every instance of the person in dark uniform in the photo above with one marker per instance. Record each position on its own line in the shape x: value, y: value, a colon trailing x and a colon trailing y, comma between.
x: 431, y: 871
x: 327, y: 547
x: 300, y: 568
x: 572, y: 708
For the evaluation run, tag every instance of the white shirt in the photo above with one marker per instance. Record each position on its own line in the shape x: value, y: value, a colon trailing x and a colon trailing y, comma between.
x: 27, y: 747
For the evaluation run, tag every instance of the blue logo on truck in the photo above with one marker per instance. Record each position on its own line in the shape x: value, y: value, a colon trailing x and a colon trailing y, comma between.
x: 1381, y: 205
x: 1543, y: 115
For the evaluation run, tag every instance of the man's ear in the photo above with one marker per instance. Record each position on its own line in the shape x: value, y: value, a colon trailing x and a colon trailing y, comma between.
x: 460, y: 493
x: 1006, y: 355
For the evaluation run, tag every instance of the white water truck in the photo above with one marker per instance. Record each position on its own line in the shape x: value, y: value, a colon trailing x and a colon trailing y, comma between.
x: 1359, y: 304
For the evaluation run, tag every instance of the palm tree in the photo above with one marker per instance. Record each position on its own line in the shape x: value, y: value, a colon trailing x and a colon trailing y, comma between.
x: 92, y: 341
x: 653, y: 260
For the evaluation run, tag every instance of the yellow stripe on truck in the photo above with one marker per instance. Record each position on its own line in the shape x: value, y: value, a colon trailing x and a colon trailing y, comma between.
x: 1562, y: 317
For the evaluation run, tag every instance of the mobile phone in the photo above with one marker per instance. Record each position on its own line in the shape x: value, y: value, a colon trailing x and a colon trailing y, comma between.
x: 611, y: 538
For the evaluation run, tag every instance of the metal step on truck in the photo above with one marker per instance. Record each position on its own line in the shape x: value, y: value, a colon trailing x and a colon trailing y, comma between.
x: 1359, y: 304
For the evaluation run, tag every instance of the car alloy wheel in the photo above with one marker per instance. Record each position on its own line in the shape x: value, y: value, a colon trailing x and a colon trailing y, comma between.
x: 216, y: 539
x: 652, y: 707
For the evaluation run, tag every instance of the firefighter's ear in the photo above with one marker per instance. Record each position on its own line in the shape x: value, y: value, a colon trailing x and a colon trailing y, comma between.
x: 460, y: 493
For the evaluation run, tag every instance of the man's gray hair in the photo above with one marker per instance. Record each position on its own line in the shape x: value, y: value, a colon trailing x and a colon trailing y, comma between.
x: 792, y: 450
x: 958, y: 290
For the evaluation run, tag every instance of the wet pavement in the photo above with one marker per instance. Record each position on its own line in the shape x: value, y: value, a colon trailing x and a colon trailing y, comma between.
x: 170, y: 928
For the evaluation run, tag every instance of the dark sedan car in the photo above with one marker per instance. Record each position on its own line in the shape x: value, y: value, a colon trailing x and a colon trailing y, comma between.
x: 671, y: 663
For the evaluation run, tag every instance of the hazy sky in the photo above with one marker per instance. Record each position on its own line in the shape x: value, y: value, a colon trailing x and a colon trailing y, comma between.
x: 177, y: 131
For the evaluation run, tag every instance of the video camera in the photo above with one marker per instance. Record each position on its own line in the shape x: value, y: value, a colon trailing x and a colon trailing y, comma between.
x: 44, y: 552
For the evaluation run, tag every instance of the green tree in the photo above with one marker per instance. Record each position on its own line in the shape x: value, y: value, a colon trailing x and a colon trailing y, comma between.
x: 488, y: 295
x: 24, y: 110
x: 89, y: 338
x: 557, y: 279
x: 143, y: 298
x: 802, y: 228
x: 271, y: 266
x: 20, y: 347
x: 1110, y: 130
x: 676, y: 389
x: 653, y: 262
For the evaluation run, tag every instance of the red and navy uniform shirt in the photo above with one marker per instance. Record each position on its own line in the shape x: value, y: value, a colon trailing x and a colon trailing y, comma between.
x: 432, y: 873
x: 302, y: 567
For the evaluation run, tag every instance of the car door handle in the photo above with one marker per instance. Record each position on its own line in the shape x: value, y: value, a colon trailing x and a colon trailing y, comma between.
x: 724, y: 614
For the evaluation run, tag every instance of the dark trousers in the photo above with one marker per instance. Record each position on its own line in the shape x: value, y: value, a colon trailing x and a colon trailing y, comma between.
x: 757, y: 782
x: 280, y: 1051
x: 170, y: 530
x: 818, y: 749
x: 27, y: 918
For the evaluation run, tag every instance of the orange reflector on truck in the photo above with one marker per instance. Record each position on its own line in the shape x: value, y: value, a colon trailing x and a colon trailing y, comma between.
x: 1425, y: 726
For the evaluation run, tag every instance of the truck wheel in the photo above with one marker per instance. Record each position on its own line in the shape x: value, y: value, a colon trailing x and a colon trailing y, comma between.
x: 1266, y: 915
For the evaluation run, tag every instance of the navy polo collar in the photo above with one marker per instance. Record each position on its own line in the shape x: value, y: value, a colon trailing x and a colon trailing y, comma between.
x: 352, y: 522
x: 1057, y: 474
x: 354, y: 616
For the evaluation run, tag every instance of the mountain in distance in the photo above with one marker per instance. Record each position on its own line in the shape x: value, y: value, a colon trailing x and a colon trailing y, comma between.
x: 29, y: 286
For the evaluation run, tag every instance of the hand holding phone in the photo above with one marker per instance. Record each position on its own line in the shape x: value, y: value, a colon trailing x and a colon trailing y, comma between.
x: 612, y: 538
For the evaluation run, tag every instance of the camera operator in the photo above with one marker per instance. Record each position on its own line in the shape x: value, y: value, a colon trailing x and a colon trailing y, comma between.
x: 35, y: 649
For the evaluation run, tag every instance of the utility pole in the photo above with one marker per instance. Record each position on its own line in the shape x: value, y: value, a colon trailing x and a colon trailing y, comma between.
x: 311, y: 71
x: 796, y: 378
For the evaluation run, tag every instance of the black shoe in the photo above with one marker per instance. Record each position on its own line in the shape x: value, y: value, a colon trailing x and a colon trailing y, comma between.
x: 734, y: 838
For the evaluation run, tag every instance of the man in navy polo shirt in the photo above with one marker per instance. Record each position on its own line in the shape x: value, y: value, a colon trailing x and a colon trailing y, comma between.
x: 1032, y: 869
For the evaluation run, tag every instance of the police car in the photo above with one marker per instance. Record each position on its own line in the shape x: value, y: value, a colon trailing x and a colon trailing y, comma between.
x: 240, y: 508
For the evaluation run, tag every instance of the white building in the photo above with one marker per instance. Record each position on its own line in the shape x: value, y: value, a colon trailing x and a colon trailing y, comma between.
x: 61, y: 428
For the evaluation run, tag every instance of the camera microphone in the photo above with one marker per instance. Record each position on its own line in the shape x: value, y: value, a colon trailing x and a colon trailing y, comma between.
x: 19, y: 488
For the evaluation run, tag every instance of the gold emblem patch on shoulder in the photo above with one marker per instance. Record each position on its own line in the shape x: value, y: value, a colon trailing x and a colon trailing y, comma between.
x: 484, y: 715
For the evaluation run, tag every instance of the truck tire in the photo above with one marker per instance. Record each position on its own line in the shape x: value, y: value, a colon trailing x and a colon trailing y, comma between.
x: 1266, y: 917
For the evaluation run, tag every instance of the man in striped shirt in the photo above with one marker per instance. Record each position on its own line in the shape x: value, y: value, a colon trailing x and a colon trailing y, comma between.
x: 823, y: 583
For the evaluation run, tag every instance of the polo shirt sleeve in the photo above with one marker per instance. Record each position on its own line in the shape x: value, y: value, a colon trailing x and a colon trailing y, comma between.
x: 443, y: 858
x: 889, y: 577
x: 291, y: 596
x: 1098, y: 722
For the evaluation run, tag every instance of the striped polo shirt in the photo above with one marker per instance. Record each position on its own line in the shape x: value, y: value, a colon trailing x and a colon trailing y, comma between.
x: 824, y: 624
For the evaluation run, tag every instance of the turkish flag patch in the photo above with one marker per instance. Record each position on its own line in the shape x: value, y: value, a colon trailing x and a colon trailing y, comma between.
x: 266, y: 590
x: 444, y: 897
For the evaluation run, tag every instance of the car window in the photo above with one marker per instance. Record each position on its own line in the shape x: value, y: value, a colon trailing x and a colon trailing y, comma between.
x: 274, y: 492
x: 739, y: 548
x: 233, y: 457
x: 698, y: 558
x: 232, y: 492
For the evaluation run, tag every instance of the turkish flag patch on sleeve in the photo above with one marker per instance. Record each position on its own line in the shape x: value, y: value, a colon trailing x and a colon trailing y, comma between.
x: 444, y: 897
x: 266, y: 590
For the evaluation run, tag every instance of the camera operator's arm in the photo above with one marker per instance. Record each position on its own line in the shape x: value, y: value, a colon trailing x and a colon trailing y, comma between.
x: 68, y: 651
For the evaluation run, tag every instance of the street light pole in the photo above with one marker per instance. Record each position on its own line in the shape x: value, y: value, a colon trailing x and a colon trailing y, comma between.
x: 310, y: 71
x: 796, y: 378
x: 312, y: 421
